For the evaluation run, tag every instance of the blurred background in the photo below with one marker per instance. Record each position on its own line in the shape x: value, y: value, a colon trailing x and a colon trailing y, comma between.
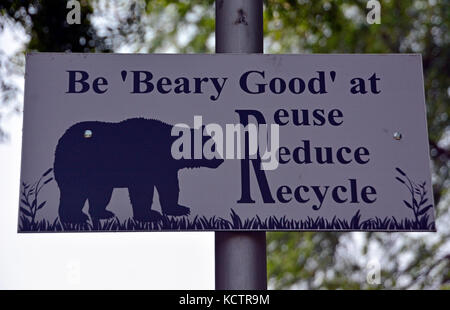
x: 185, y: 260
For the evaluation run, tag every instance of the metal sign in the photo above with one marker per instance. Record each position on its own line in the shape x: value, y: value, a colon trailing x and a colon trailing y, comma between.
x: 117, y: 142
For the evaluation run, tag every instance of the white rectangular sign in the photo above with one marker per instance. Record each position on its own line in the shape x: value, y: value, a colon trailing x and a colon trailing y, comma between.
x: 117, y: 142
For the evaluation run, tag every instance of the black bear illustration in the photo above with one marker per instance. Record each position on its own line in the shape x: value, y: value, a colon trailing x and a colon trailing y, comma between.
x: 92, y: 158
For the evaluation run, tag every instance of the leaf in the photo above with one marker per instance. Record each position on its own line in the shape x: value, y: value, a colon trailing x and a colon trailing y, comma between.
x: 25, y: 211
x: 407, y: 204
x: 47, y: 172
x: 47, y: 181
x: 400, y: 180
x: 424, y: 210
x: 400, y: 171
x: 41, y: 205
x: 25, y: 202
x: 423, y: 201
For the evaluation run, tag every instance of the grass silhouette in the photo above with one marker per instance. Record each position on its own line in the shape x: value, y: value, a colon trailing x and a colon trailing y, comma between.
x: 170, y: 223
x: 421, y: 222
x: 419, y: 202
x: 29, y: 193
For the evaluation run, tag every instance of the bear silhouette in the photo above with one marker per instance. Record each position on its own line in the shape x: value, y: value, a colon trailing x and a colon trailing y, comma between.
x: 92, y: 158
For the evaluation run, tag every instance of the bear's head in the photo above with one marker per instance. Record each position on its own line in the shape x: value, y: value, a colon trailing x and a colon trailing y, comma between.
x: 196, y: 149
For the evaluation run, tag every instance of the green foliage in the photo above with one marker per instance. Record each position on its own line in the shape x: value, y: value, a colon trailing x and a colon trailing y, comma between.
x: 175, y: 19
x: 297, y: 260
x: 45, y: 22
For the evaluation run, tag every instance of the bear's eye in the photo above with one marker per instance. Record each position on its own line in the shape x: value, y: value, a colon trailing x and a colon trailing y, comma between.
x: 87, y: 133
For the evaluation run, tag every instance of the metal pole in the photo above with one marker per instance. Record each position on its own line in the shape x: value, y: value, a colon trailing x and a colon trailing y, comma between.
x: 239, y: 26
x: 240, y: 257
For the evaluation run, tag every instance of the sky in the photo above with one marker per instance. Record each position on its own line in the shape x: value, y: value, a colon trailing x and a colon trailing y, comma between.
x: 93, y: 260
x: 155, y: 260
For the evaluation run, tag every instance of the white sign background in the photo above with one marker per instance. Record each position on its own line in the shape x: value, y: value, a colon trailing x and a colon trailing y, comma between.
x: 369, y: 120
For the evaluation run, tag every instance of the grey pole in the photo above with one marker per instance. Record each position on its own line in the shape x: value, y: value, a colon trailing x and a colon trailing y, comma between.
x: 240, y: 257
x: 239, y: 26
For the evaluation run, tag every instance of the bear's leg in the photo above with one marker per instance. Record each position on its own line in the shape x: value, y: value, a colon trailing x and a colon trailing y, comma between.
x: 71, y: 202
x: 141, y: 197
x: 99, y: 199
x: 169, y: 190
